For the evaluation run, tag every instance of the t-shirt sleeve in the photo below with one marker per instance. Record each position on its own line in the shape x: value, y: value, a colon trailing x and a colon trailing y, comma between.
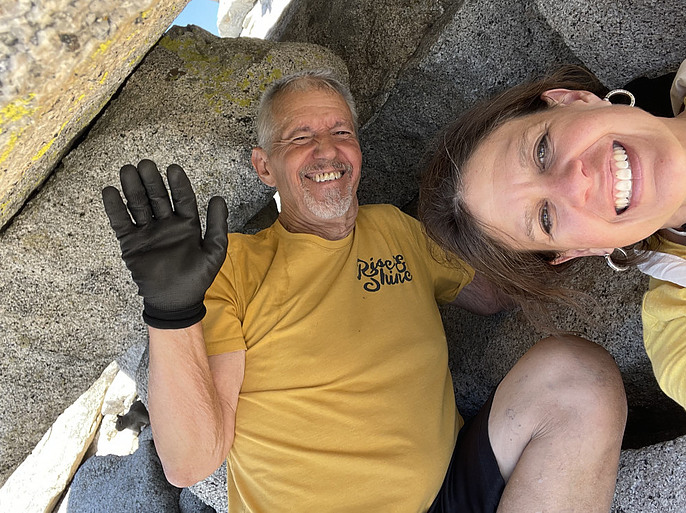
x: 222, y: 326
x: 450, y: 275
x: 664, y: 335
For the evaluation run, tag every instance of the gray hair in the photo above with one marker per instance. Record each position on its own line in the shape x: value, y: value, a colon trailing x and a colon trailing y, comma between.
x: 302, y: 81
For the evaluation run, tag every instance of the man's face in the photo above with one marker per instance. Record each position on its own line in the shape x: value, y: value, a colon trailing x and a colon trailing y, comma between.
x: 315, y: 160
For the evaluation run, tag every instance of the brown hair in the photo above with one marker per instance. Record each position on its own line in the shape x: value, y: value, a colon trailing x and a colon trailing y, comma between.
x: 526, y: 276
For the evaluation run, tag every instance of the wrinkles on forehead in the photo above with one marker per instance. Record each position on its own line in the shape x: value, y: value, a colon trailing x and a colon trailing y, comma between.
x: 290, y: 132
x: 492, y: 175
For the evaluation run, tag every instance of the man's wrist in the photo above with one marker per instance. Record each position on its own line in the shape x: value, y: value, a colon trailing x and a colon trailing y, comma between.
x: 166, y: 320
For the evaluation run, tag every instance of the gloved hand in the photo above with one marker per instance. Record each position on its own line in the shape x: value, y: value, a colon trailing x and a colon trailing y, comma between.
x: 163, y: 247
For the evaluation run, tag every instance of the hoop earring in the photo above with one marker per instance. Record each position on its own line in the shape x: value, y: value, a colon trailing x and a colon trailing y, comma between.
x: 623, y: 92
x: 614, y: 266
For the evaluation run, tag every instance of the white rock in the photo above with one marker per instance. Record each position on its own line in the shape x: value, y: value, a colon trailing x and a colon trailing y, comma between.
x: 110, y: 441
x: 120, y: 395
x: 262, y: 17
x: 230, y: 16
x: 37, y: 484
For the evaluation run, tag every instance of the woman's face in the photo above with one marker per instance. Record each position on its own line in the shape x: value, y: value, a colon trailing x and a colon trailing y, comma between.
x: 581, y: 177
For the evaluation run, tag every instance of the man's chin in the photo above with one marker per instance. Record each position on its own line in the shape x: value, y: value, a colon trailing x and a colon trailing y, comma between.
x: 328, y: 210
x: 333, y: 205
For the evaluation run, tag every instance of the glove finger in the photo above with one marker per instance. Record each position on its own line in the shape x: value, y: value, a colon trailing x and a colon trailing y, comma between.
x: 116, y: 212
x: 136, y: 197
x: 156, y: 191
x: 216, y: 240
x: 182, y: 193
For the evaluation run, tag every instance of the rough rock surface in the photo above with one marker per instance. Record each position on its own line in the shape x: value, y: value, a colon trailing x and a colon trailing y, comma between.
x: 60, y: 63
x: 620, y: 40
x: 651, y: 480
x: 112, y: 484
x: 374, y: 38
x: 68, y: 305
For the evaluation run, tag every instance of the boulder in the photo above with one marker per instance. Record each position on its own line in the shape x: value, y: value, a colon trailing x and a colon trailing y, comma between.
x: 375, y: 39
x: 620, y: 41
x: 61, y: 62
x: 40, y: 480
x: 230, y: 16
x: 112, y: 484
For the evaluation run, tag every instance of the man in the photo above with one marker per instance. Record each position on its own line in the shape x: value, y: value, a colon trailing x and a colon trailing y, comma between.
x: 327, y: 385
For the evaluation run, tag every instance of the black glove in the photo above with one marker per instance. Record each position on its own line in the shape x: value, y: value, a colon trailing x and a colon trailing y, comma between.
x: 163, y: 248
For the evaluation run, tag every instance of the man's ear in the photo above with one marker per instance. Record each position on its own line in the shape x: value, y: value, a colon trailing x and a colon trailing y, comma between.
x: 554, y: 97
x: 259, y: 162
x: 576, y: 253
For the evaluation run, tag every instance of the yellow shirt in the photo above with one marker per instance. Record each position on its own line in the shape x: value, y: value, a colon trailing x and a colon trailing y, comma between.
x: 664, y: 330
x: 347, y: 403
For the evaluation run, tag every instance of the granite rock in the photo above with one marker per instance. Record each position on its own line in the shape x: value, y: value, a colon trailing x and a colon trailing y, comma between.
x: 112, y: 484
x: 620, y: 41
x: 60, y: 63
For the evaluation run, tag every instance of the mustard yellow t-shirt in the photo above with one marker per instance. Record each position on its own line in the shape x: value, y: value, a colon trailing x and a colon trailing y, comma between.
x: 664, y: 330
x: 347, y: 403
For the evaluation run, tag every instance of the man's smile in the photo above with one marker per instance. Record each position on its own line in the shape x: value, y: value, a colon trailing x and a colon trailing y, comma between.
x: 326, y: 171
x: 326, y: 177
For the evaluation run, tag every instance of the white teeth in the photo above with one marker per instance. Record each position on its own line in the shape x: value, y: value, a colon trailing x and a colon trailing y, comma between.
x: 623, y: 174
x: 623, y: 184
x: 326, y: 177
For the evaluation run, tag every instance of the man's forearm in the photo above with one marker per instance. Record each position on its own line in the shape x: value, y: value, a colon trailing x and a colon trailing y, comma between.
x: 186, y: 413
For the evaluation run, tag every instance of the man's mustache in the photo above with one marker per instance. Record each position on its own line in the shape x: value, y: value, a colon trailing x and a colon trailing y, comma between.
x: 327, y: 165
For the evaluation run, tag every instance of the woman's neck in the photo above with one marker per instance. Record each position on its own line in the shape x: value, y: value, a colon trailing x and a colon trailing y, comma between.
x: 677, y: 126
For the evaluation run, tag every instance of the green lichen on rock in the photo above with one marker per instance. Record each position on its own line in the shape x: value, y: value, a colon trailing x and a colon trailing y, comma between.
x: 16, y: 110
x: 233, y: 73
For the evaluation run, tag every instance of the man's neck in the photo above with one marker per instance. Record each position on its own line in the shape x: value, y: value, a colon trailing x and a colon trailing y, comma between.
x: 329, y: 229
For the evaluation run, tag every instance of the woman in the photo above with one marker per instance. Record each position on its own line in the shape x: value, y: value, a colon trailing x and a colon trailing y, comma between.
x: 550, y: 171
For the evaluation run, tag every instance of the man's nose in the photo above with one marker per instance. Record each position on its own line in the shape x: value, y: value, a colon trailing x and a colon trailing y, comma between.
x: 573, y: 183
x: 325, y: 146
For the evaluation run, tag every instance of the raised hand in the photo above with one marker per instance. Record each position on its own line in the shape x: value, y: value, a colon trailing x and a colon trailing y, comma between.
x: 163, y: 246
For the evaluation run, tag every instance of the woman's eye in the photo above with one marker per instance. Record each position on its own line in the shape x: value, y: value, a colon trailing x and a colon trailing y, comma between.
x: 546, y: 221
x: 542, y: 151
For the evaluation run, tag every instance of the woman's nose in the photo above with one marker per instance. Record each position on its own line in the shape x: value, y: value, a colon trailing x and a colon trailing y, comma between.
x: 574, y: 183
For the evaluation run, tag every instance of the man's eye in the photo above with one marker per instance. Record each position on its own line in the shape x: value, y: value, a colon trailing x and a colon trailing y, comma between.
x: 301, y: 139
x: 343, y: 133
x: 546, y: 221
x: 542, y: 151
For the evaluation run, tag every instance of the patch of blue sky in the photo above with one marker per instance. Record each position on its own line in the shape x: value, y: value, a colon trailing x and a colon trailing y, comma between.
x: 202, y: 13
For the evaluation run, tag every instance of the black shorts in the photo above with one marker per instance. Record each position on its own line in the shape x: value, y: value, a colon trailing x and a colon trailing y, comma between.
x: 473, y: 483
